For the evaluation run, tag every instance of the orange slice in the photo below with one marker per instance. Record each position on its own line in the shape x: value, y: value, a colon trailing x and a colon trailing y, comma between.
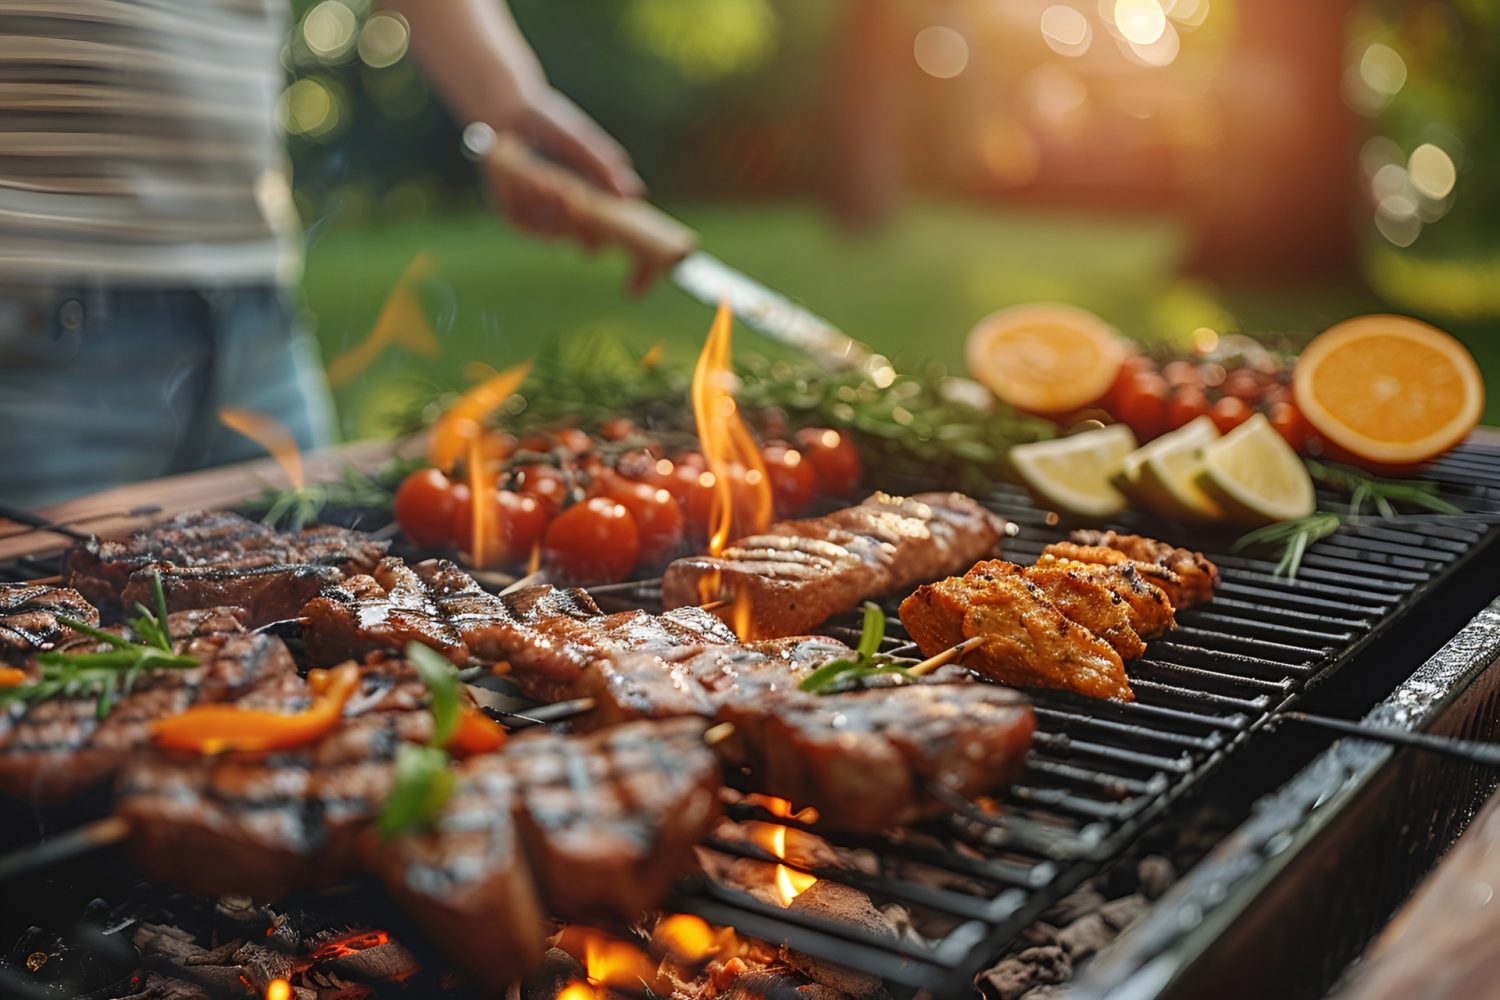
x: 1045, y: 358
x: 1388, y: 389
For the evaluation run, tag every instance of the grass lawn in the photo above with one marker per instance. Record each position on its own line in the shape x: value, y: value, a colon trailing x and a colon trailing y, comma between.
x: 911, y: 290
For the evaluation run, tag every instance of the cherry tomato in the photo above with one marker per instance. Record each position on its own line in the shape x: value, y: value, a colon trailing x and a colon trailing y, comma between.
x: 1187, y: 403
x: 793, y: 479
x: 644, y: 466
x: 834, y: 458
x: 1142, y: 405
x: 1229, y: 412
x: 424, y: 507
x: 618, y: 429
x: 575, y: 440
x: 546, y: 483
x: 694, y: 489
x: 538, y: 441
x: 1289, y: 423
x: 592, y: 541
x: 1182, y: 373
x: 657, y: 515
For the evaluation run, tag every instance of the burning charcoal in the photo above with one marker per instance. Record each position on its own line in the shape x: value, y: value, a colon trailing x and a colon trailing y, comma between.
x: 155, y: 986
x: 366, y: 957
x: 1156, y: 874
x: 1080, y: 902
x: 243, y: 909
x: 168, y: 942
x: 769, y: 985
x: 558, y: 970
x: 260, y: 965
x: 840, y: 904
x: 283, y: 934
x: 1016, y: 975
x: 1121, y: 913
x: 222, y: 955
x: 1085, y: 936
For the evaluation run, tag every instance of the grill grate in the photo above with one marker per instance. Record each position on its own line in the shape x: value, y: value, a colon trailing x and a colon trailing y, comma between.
x: 1099, y: 772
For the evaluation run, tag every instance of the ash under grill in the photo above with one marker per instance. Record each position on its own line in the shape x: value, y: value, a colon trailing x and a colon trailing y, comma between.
x: 1100, y: 773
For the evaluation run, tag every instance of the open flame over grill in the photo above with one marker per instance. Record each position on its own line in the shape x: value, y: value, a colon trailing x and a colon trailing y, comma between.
x: 463, y: 422
x: 272, y: 435
x: 772, y: 836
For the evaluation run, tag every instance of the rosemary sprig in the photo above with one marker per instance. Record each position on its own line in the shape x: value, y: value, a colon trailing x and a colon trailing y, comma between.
x: 1294, y: 538
x: 424, y: 780
x: 293, y: 508
x: 112, y: 672
x: 839, y: 675
x: 1382, y: 494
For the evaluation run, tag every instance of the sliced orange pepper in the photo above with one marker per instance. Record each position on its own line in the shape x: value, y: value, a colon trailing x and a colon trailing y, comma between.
x: 475, y: 733
x: 11, y: 677
x: 217, y: 728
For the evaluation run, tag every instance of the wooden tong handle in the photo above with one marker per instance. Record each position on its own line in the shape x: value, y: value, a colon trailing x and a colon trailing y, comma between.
x: 655, y: 240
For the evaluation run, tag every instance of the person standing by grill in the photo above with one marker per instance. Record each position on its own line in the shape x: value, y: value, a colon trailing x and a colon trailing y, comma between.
x: 147, y: 234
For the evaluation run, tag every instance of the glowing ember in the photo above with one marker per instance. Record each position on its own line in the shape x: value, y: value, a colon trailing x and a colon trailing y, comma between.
x: 455, y: 429
x: 687, y: 940
x: 350, y: 945
x: 576, y: 991
x: 279, y: 989
x: 789, y: 883
x: 272, y: 435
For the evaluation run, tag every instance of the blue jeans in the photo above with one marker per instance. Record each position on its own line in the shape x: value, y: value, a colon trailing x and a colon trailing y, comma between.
x: 101, y: 387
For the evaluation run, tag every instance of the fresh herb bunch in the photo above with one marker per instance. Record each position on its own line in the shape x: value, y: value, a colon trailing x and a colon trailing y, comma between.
x: 1383, y: 495
x: 424, y: 777
x: 293, y: 508
x: 840, y: 675
x: 113, y: 672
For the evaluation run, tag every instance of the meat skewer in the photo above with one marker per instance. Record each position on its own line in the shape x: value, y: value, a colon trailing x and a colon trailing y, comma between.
x: 797, y: 574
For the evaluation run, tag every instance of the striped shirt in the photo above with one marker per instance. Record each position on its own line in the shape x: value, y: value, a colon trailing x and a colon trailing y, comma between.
x: 138, y: 143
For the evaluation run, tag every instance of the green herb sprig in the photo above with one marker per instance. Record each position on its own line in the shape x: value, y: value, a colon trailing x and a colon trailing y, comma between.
x: 112, y: 672
x: 424, y: 778
x: 293, y: 508
x: 840, y: 675
x: 1294, y: 537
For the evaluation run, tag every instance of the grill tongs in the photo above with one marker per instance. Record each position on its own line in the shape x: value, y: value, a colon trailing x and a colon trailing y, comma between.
x: 1473, y: 751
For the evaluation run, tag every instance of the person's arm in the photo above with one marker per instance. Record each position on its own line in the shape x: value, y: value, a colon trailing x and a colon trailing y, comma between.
x: 474, y: 55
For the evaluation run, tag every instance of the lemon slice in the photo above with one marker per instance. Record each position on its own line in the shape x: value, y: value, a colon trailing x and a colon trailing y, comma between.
x: 1072, y: 473
x: 1169, y: 471
x: 1255, y: 475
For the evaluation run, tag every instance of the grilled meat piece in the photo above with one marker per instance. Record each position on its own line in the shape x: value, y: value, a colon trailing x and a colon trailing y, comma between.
x: 1081, y: 597
x: 1028, y: 641
x: 384, y: 610
x: 54, y: 749
x: 799, y: 573
x: 597, y: 826
x: 220, y: 546
x: 1149, y: 609
x: 865, y: 759
x: 28, y: 618
x: 1187, y: 577
x: 266, y: 593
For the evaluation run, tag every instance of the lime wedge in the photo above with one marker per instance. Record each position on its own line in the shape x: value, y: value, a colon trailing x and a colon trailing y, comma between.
x: 1072, y: 473
x: 1255, y: 476
x: 1169, y: 471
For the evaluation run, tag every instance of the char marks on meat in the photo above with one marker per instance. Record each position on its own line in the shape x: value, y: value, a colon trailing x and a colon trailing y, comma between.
x: 28, y: 618
x: 386, y: 609
x: 1187, y: 577
x: 224, y: 559
x: 797, y: 574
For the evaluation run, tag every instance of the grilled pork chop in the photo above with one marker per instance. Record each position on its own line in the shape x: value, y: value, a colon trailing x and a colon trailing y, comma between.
x: 797, y: 574
x: 1187, y: 577
x: 1029, y: 642
x: 214, y: 558
x: 28, y: 618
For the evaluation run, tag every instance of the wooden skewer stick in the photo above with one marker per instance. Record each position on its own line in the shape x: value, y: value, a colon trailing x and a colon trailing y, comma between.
x: 526, y: 581
x: 715, y: 735
x: 48, y: 580
x: 713, y: 605
x: 101, y: 833
x: 944, y: 658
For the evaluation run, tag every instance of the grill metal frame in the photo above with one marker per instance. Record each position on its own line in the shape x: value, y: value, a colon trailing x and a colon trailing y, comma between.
x: 1101, y: 772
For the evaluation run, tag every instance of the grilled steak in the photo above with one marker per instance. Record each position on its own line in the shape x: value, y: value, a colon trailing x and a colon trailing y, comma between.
x: 865, y: 759
x: 1029, y: 642
x: 28, y: 618
x: 54, y: 749
x: 799, y: 573
x: 226, y: 559
x: 603, y: 823
x: 384, y: 610
x: 1185, y: 576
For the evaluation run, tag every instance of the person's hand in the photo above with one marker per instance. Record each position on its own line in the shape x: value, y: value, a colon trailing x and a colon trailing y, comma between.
x: 560, y: 130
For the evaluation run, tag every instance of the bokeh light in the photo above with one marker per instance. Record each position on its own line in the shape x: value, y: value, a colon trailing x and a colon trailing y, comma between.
x: 1431, y: 171
x: 1141, y: 22
x: 940, y: 51
x: 1160, y: 52
x: 329, y: 30
x: 308, y: 108
x: 1065, y: 30
x: 1382, y: 69
x: 1396, y: 219
x: 383, y: 40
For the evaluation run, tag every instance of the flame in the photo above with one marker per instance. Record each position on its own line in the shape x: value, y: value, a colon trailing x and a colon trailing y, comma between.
x: 455, y: 429
x: 772, y: 836
x: 687, y: 940
x: 534, y: 563
x: 577, y: 991
x: 609, y: 961
x: 272, y: 435
x: 726, y: 442
x: 740, y: 614
x: 479, y: 511
x: 402, y: 320
x: 278, y: 989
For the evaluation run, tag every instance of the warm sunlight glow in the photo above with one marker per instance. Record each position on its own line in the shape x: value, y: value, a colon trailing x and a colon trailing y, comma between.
x: 401, y: 320
x: 464, y: 420
x: 272, y: 435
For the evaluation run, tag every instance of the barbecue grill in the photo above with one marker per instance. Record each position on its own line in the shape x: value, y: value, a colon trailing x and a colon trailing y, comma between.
x: 1101, y: 773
